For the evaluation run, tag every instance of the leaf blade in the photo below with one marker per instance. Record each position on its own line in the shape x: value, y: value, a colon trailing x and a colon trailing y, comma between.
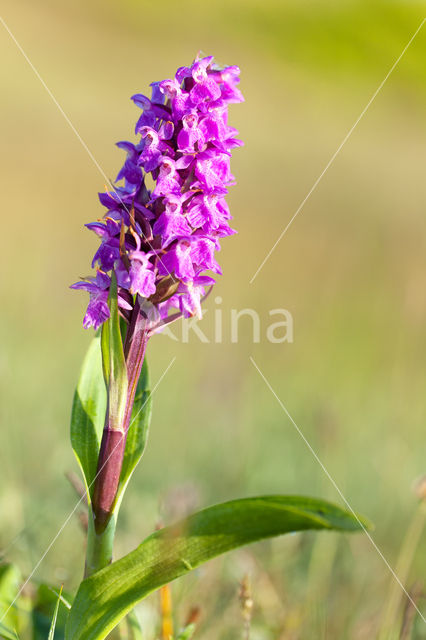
x: 55, y: 617
x: 88, y: 413
x: 105, y: 598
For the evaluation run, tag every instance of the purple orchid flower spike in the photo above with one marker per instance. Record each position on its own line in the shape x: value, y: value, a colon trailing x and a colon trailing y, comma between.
x: 160, y: 243
x: 172, y: 230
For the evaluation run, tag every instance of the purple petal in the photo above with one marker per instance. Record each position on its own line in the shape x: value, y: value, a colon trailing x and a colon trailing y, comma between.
x: 97, y: 311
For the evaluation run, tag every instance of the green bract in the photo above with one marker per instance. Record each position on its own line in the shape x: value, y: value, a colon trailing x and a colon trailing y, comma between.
x: 114, y: 363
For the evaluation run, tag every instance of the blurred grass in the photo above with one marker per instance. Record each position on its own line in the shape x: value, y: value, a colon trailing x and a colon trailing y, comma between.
x: 350, y: 270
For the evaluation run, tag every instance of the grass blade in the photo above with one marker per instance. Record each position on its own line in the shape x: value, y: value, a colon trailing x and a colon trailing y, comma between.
x: 55, y: 617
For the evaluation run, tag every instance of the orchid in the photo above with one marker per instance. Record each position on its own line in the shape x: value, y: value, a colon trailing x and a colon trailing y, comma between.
x: 172, y: 231
x: 155, y: 263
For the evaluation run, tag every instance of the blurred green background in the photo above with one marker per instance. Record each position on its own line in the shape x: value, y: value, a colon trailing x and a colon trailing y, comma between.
x: 351, y: 270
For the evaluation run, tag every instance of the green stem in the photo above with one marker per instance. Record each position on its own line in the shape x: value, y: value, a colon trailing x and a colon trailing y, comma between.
x: 98, y: 556
x: 99, y: 546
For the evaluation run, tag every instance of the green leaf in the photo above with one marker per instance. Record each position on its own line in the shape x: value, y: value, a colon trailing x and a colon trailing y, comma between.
x: 7, y: 634
x: 44, y: 607
x: 134, y: 631
x: 104, y: 598
x: 10, y: 578
x: 88, y: 413
x: 55, y: 616
x: 137, y: 434
x: 187, y: 633
x: 113, y: 361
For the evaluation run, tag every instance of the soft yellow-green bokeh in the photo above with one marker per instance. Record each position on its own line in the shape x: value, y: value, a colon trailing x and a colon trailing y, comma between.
x: 351, y: 270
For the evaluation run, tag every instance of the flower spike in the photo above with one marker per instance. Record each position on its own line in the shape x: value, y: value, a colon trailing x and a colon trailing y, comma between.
x: 174, y: 228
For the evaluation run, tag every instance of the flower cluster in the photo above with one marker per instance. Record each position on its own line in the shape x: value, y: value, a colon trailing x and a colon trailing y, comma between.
x: 160, y: 238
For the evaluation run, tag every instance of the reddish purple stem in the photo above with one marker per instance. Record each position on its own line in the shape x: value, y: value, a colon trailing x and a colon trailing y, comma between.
x: 113, y: 443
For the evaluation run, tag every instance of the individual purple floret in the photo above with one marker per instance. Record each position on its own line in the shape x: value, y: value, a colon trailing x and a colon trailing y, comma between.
x: 160, y: 241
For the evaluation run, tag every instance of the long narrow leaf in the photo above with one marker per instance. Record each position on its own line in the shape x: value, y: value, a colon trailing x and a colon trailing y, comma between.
x: 44, y: 603
x: 104, y: 599
x: 55, y: 617
x: 88, y: 413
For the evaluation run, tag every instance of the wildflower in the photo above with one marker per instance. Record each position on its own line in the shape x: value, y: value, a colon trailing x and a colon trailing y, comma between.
x: 161, y: 241
x: 98, y: 311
